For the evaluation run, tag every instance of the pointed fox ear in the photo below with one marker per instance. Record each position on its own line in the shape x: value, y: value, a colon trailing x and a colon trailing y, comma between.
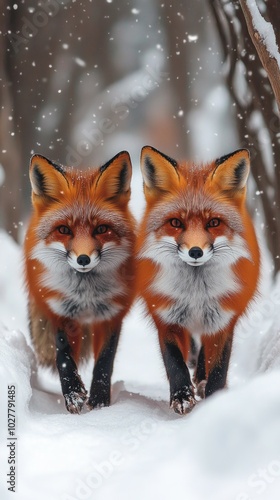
x: 232, y: 171
x: 47, y: 179
x: 159, y: 172
x: 114, y: 179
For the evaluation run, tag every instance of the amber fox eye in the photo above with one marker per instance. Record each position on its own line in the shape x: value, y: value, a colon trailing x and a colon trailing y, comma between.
x: 176, y: 223
x: 64, y: 230
x: 213, y: 223
x: 101, y: 229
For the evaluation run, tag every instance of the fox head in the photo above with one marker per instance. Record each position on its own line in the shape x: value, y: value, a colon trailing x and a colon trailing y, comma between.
x: 80, y: 217
x: 196, y: 213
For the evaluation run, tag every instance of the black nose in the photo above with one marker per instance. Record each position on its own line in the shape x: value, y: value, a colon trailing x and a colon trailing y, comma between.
x: 195, y: 252
x: 83, y: 260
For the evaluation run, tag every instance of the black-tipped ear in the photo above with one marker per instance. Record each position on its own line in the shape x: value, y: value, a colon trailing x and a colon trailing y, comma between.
x: 46, y: 177
x: 115, y: 177
x: 231, y: 171
x: 159, y: 172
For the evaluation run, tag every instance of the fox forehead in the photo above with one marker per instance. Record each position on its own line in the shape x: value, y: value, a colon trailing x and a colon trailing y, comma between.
x: 195, y: 175
x: 80, y: 179
x: 200, y: 204
x: 86, y: 215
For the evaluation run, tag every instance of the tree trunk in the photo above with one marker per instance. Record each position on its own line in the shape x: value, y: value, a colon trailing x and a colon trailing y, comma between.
x: 257, y: 117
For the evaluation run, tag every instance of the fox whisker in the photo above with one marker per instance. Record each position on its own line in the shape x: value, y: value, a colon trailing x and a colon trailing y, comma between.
x: 167, y: 245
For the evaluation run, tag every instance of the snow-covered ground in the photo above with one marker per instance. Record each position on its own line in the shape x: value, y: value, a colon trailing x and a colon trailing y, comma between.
x: 228, y: 448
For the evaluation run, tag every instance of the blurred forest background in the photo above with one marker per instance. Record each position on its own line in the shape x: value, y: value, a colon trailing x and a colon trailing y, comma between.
x: 82, y: 80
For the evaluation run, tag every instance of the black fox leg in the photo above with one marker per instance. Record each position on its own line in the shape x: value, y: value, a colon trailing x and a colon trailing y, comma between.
x: 200, y: 374
x: 181, y: 388
x: 72, y: 386
x: 192, y: 359
x: 218, y: 373
x: 100, y: 391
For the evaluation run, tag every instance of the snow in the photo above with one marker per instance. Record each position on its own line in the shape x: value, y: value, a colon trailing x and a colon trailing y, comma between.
x: 192, y: 38
x: 228, y: 448
x: 2, y: 175
x: 265, y: 29
x: 80, y: 61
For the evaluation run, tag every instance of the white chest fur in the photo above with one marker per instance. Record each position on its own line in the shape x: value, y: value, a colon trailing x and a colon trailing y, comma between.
x: 195, y: 292
x: 87, y: 297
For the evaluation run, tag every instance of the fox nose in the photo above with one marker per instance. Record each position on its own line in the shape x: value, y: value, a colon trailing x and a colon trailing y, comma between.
x: 195, y: 252
x: 83, y: 260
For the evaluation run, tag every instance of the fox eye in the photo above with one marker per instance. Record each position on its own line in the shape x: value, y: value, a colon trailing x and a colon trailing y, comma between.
x: 176, y: 223
x: 101, y: 229
x: 64, y: 230
x: 213, y: 223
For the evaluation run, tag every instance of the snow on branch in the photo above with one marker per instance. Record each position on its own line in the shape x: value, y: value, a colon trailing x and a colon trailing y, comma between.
x: 263, y: 37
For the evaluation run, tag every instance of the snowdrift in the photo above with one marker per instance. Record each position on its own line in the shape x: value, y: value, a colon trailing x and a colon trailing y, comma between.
x: 228, y: 448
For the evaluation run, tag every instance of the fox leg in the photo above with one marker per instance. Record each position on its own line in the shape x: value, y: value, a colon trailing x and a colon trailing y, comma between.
x: 193, y: 353
x: 173, y: 347
x: 72, y: 386
x: 200, y: 374
x: 217, y: 351
x: 105, y: 343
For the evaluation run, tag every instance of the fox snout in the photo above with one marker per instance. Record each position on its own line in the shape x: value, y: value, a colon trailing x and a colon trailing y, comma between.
x: 83, y: 262
x: 195, y: 256
x: 196, y: 253
x: 83, y: 254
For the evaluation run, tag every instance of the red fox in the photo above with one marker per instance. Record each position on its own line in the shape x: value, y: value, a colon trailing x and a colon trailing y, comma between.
x: 198, y: 264
x: 79, y: 266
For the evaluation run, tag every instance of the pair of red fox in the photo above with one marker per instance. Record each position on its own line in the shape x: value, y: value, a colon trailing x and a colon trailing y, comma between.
x: 194, y: 260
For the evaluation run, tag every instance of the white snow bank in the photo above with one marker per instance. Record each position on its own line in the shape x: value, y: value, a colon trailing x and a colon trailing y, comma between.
x: 228, y: 448
x: 12, y: 294
x: 215, y: 453
x: 17, y: 362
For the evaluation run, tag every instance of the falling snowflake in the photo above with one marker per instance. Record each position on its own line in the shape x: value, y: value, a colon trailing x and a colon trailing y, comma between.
x: 192, y: 38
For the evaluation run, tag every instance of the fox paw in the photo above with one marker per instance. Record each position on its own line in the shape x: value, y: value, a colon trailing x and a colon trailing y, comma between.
x: 74, y: 401
x: 183, y: 401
